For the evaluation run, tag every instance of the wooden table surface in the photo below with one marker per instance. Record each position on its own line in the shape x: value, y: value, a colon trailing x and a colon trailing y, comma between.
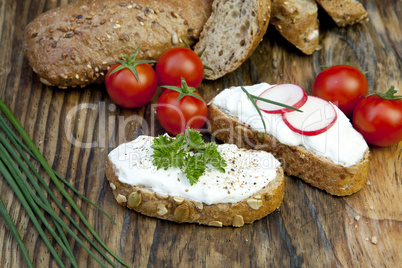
x: 311, y: 228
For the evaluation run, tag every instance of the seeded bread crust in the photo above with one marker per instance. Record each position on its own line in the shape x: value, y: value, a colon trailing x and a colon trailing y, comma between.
x: 297, y: 21
x: 231, y: 34
x: 182, y: 210
x: 318, y: 171
x: 344, y: 12
x: 74, y: 45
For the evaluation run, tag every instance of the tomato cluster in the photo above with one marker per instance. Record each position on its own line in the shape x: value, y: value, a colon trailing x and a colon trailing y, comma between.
x: 179, y: 71
x: 378, y: 117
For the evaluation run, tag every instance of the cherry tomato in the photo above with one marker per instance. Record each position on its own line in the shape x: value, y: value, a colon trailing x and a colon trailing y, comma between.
x: 379, y: 120
x: 175, y: 116
x: 342, y: 85
x: 177, y: 63
x: 126, y: 90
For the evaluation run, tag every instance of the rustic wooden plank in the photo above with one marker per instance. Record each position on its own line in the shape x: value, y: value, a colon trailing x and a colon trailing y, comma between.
x: 311, y: 228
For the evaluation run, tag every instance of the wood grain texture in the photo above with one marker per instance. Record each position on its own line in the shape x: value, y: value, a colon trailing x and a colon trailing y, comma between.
x: 311, y: 228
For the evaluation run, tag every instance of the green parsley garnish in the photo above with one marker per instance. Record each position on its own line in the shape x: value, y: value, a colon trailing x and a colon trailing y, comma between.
x: 187, y: 151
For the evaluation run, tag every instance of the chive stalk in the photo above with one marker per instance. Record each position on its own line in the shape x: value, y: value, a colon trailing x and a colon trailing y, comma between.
x: 41, y: 194
x: 16, y: 234
x: 15, y: 140
x: 252, y: 98
x: 275, y: 102
x: 28, y: 194
x: 9, y: 178
x: 39, y: 191
x: 37, y: 187
x: 255, y: 106
x: 28, y: 197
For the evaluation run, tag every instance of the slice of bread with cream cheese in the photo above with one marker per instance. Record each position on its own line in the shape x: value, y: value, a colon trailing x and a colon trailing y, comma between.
x: 335, y: 161
x: 251, y: 187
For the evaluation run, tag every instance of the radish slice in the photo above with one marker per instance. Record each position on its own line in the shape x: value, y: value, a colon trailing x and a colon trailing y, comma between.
x: 289, y: 94
x: 317, y: 117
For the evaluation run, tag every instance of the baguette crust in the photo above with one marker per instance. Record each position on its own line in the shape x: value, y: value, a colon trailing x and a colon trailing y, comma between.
x: 146, y: 201
x: 231, y: 34
x: 297, y: 21
x: 344, y: 12
x: 74, y: 45
x: 318, y: 171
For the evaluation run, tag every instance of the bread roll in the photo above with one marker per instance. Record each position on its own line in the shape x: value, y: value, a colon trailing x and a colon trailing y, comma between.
x: 74, y: 45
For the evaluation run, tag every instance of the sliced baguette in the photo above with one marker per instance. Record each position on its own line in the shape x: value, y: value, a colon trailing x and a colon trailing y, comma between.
x: 231, y: 34
x: 316, y: 170
x: 297, y: 21
x: 181, y: 209
x: 74, y: 45
x: 344, y: 12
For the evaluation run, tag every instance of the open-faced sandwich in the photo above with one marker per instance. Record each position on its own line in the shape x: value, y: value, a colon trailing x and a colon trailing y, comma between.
x: 317, y: 143
x: 183, y: 179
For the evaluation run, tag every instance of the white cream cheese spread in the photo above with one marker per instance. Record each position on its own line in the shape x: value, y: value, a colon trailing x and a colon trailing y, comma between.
x: 341, y: 143
x: 247, y: 172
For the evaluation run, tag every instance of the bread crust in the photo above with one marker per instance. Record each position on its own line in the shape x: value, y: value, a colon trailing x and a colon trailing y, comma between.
x: 74, y: 45
x: 228, y: 63
x: 182, y: 210
x: 344, y: 12
x: 316, y: 170
x: 297, y: 21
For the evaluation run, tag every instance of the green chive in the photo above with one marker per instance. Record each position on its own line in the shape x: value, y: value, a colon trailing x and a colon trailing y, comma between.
x: 29, y: 211
x: 37, y: 188
x: 276, y: 103
x: 14, y: 231
x: 252, y: 98
x: 41, y: 194
x: 14, y: 139
x: 28, y: 194
x: 255, y: 105
x: 53, y: 177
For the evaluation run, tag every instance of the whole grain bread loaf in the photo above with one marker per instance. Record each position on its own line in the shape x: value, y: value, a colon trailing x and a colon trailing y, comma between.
x: 231, y: 34
x: 74, y: 45
x: 297, y: 21
x: 316, y: 170
x: 344, y: 12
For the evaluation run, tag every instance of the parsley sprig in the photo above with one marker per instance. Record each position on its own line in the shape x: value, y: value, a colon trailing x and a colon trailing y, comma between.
x: 187, y: 151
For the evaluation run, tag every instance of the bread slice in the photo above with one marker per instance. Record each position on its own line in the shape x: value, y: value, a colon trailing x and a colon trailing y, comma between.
x: 74, y: 45
x: 155, y: 202
x: 344, y: 12
x: 297, y: 21
x: 231, y: 34
x: 298, y: 161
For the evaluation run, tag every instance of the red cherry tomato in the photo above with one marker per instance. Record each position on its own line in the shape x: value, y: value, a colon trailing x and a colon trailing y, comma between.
x: 177, y: 63
x: 175, y: 116
x: 124, y: 88
x: 342, y: 85
x: 379, y: 120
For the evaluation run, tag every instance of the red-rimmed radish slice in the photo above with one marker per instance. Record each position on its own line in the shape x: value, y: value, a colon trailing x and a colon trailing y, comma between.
x: 317, y: 117
x: 289, y: 94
